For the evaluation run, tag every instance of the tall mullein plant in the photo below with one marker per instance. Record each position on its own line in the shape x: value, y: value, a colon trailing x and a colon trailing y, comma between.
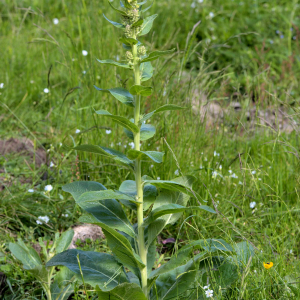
x: 128, y: 273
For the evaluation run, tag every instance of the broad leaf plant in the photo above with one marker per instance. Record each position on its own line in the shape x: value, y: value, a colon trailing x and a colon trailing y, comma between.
x: 128, y: 273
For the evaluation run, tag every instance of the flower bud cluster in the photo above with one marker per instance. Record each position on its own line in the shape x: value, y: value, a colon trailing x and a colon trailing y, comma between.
x: 133, y: 15
x: 142, y: 51
x: 129, y: 57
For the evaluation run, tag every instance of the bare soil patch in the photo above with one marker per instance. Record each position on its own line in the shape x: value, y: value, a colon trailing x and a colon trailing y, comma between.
x: 21, y: 147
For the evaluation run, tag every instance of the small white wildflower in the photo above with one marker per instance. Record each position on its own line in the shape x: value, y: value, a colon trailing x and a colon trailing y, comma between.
x: 117, y: 57
x: 48, y: 188
x: 83, y: 72
x: 42, y: 219
x: 240, y: 183
x: 259, y: 179
x: 193, y: 5
x: 291, y: 251
x: 214, y: 174
x: 206, y: 287
x: 51, y: 164
x: 201, y: 167
x: 234, y: 176
x: 77, y: 131
x: 108, y: 131
x: 151, y: 166
x: 31, y: 191
x: 60, y: 144
x: 66, y: 215
x: 46, y: 91
x: 158, y: 178
x: 211, y: 14
x: 55, y: 21
x: 176, y: 172
x: 205, y: 159
x: 1, y: 85
x: 252, y: 204
x: 84, y: 53
x: 230, y: 171
x: 253, y: 172
x: 220, y: 167
x: 131, y: 145
x: 209, y: 293
x: 255, y: 271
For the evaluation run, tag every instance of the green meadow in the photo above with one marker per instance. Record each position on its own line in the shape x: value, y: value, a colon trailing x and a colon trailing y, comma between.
x: 236, y: 73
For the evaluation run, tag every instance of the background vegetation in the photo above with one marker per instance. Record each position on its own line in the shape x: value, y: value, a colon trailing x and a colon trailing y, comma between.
x: 242, y: 51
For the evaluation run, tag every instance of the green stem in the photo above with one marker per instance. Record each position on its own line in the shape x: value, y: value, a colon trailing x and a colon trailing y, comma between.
x: 138, y: 174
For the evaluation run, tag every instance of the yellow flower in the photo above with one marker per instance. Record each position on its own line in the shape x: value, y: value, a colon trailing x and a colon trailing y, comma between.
x: 268, y: 265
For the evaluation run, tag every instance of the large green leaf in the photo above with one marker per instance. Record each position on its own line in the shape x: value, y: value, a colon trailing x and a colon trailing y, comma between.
x: 64, y: 241
x: 26, y: 254
x: 149, y: 192
x: 103, y: 195
x: 147, y: 132
x: 145, y: 155
x: 141, y: 90
x: 98, y: 268
x: 147, y: 25
x: 183, y: 254
x: 244, y: 251
x: 63, y: 284
x: 168, y: 197
x: 114, y: 154
x: 146, y: 71
x: 128, y: 41
x: 109, y: 211
x: 118, y: 25
x: 156, y: 54
x: 177, y: 260
x: 124, y: 291
x: 226, y: 273
x: 77, y: 188
x: 172, y: 185
x: 171, y: 209
x: 122, y: 250
x: 174, y: 283
x: 137, y: 23
x: 114, y: 63
x: 120, y: 94
x: 120, y: 120
x: 166, y: 107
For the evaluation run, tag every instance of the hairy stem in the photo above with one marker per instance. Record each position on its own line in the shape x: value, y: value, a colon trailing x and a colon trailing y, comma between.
x: 138, y: 174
